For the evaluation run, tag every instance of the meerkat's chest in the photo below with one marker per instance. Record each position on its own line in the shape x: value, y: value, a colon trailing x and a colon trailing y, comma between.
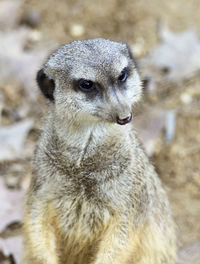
x: 82, y: 221
x: 88, y: 205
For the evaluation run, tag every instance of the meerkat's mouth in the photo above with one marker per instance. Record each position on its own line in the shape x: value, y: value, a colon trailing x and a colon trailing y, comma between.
x: 124, y: 121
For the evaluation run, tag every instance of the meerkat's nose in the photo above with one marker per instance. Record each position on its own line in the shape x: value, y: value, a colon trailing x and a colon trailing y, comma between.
x: 124, y: 120
x: 119, y: 105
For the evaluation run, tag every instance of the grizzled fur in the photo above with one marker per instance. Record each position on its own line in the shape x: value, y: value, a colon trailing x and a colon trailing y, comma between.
x: 94, y: 196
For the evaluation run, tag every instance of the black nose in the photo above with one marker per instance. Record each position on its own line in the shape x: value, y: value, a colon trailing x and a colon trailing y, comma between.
x: 125, y: 120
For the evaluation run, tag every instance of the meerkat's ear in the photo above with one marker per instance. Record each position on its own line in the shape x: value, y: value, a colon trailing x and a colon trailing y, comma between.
x: 130, y: 54
x: 47, y: 85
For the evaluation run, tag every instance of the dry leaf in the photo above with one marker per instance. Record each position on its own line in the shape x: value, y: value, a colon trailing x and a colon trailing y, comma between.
x: 9, y: 13
x: 12, y: 139
x: 17, y: 62
x: 12, y: 246
x: 149, y: 126
x: 189, y: 254
x: 177, y: 57
x: 11, y: 206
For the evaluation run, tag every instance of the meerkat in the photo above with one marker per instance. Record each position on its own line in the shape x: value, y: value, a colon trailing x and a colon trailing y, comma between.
x: 94, y: 196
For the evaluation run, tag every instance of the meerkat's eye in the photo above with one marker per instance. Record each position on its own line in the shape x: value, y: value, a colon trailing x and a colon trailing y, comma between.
x: 123, y: 75
x: 86, y: 85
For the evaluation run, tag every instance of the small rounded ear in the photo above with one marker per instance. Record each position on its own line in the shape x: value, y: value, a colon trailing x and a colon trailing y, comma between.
x: 47, y: 85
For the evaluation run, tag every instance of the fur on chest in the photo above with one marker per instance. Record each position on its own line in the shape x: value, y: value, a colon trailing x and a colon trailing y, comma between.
x: 81, y: 221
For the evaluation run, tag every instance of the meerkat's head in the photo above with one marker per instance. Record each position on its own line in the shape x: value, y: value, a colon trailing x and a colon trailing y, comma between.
x: 91, y: 81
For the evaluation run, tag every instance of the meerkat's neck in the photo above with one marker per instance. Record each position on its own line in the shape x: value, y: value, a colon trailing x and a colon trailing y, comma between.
x: 83, y: 141
x: 83, y: 136
x: 95, y: 134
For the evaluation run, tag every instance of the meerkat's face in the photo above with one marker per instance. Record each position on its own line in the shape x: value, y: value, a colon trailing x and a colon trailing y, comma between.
x: 92, y: 81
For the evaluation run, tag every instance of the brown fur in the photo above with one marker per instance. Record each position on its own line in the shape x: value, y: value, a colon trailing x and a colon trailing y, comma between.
x: 94, y: 196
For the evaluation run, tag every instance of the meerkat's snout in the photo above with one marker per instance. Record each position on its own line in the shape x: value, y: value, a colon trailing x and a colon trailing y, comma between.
x: 123, y: 114
x: 119, y: 104
x: 123, y: 118
x: 124, y: 121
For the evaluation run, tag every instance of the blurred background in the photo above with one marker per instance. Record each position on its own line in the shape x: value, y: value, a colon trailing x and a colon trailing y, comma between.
x: 165, y: 39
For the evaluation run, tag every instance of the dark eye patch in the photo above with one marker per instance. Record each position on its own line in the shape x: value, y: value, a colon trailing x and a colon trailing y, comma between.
x: 123, y: 75
x: 86, y: 85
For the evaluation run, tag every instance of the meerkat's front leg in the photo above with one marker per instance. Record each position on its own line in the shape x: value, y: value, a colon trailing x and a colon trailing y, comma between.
x: 41, y: 236
x: 114, y: 245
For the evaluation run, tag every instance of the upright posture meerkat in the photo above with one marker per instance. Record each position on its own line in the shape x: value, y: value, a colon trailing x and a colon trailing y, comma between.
x: 94, y: 196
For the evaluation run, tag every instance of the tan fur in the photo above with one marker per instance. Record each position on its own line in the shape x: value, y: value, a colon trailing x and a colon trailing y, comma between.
x: 94, y: 196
